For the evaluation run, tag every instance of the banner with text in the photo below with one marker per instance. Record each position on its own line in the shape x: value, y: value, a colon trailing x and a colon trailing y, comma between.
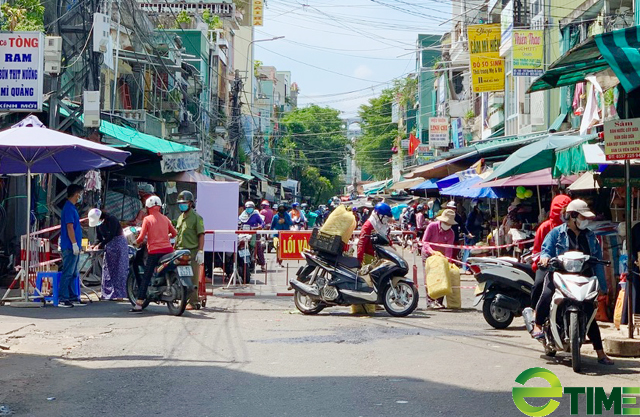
x: 528, y: 53
x: 21, y: 71
x: 291, y: 245
x: 258, y: 12
x: 439, y: 132
x: 487, y: 67
x: 622, y: 139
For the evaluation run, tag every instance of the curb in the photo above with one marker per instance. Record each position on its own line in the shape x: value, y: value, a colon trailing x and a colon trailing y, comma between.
x: 253, y: 294
x: 621, y: 346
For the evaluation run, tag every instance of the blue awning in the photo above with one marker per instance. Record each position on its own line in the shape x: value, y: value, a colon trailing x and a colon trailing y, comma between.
x: 426, y: 185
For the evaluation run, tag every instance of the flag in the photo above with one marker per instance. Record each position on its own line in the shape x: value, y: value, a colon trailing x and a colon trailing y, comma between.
x: 414, y: 142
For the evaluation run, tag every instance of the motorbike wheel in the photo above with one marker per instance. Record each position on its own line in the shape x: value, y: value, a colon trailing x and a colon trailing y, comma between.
x: 497, y: 317
x: 574, y: 335
x: 306, y: 305
x: 549, y: 352
x: 132, y: 289
x: 405, y: 304
x: 179, y: 303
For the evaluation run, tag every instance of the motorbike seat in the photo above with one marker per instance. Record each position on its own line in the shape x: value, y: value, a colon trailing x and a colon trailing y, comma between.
x: 348, y: 262
x: 525, y: 267
x: 166, y: 257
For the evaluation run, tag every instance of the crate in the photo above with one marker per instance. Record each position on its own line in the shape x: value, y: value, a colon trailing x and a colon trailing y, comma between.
x: 325, y: 243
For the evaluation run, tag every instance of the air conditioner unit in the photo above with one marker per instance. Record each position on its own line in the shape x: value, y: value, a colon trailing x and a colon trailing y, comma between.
x: 52, y: 54
x: 101, y: 32
x: 91, y: 106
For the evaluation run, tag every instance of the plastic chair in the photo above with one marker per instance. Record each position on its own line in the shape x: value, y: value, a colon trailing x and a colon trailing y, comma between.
x: 55, y: 285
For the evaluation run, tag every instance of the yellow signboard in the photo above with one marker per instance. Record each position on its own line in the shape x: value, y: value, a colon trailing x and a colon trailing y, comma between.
x: 257, y: 12
x: 487, y: 68
x: 528, y: 53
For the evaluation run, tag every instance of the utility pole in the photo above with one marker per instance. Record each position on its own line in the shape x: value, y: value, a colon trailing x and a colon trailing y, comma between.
x: 236, y: 114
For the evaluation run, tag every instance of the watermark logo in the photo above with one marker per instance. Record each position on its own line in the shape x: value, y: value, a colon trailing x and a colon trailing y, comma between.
x: 595, y: 399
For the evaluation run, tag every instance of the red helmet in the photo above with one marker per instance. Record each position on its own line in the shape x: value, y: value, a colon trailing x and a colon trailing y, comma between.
x: 265, y: 203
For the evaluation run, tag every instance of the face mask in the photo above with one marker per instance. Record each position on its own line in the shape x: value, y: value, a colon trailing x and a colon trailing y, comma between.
x: 445, y: 226
x: 250, y: 210
x: 79, y: 199
x: 183, y: 207
x: 582, y: 224
x: 386, y: 220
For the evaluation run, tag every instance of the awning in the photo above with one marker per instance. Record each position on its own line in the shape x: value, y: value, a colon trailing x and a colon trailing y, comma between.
x: 440, y: 168
x: 587, y: 181
x: 558, y: 122
x: 259, y: 176
x: 142, y: 140
x: 234, y: 174
x: 376, y: 187
x: 403, y: 185
x: 618, y: 50
x: 542, y: 177
x: 426, y: 185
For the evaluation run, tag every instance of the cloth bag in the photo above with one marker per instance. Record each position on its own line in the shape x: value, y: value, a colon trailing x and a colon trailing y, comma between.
x: 454, y: 300
x: 340, y: 223
x: 438, y: 273
x: 617, y: 312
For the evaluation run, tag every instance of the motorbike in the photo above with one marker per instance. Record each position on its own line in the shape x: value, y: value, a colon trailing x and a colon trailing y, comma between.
x: 245, y: 260
x: 171, y: 283
x: 504, y: 287
x: 573, y: 306
x: 331, y: 279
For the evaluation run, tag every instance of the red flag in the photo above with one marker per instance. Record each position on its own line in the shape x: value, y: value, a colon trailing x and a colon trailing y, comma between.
x: 414, y: 142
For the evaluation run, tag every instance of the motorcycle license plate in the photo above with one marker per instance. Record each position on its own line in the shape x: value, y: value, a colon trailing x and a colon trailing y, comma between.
x: 243, y: 253
x: 185, y: 271
x: 479, y: 288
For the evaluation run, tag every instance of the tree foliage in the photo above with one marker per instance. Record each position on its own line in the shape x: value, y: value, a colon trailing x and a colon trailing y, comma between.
x: 22, y: 15
x: 374, y: 147
x: 312, y: 150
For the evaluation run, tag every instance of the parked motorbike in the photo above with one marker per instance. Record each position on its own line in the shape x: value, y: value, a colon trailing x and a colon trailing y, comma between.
x: 331, y: 279
x: 171, y: 283
x: 505, y: 285
x: 573, y: 306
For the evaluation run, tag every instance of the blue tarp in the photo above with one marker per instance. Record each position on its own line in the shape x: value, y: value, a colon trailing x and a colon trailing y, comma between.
x: 465, y: 189
x: 426, y: 185
x: 447, y: 182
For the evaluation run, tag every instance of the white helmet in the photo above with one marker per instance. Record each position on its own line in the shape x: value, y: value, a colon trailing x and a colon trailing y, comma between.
x: 153, y: 201
x: 94, y: 217
x: 249, y: 204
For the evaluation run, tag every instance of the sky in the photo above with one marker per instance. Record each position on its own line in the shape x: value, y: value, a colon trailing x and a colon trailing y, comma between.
x: 341, y: 53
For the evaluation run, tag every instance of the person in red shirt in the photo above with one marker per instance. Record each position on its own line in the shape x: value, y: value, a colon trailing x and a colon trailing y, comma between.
x: 376, y: 223
x: 156, y: 228
x: 556, y: 218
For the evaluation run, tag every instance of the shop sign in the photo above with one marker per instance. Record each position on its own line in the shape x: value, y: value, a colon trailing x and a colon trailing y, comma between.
x: 21, y: 71
x: 528, y: 53
x: 404, y: 143
x: 439, y: 132
x: 456, y: 133
x: 258, y: 12
x: 622, y: 139
x: 487, y: 67
x: 424, y: 150
x: 179, y: 162
x: 292, y: 244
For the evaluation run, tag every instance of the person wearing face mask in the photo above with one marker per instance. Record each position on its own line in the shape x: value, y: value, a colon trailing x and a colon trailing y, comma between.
x: 190, y: 227
x: 377, y: 223
x: 70, y: 244
x: 281, y: 220
x: 250, y: 219
x: 115, y: 264
x: 574, y: 235
x: 557, y: 216
x: 439, y: 231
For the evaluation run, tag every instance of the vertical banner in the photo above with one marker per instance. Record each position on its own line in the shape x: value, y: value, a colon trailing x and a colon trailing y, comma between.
x: 456, y: 133
x: 21, y: 71
x: 528, y: 53
x: 257, y: 12
x: 439, y: 132
x: 487, y: 67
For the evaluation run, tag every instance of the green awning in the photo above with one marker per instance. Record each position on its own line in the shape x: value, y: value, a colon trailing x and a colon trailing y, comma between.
x: 259, y: 176
x: 235, y: 174
x: 618, y: 50
x: 570, y: 161
x: 558, y: 122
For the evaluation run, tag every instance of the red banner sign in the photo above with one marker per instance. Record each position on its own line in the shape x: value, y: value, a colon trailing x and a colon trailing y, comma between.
x: 291, y: 245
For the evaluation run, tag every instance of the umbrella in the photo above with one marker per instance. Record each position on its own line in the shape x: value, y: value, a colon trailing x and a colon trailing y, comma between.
x: 426, y: 185
x: 586, y: 182
x: 30, y: 148
x: 536, y: 178
x: 465, y: 188
x: 534, y: 157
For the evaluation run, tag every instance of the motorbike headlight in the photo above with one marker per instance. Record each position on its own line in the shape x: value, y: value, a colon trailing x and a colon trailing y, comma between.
x: 572, y: 265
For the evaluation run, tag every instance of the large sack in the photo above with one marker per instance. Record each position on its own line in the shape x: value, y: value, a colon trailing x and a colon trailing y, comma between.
x: 617, y: 312
x: 437, y: 280
x: 454, y: 300
x: 340, y: 223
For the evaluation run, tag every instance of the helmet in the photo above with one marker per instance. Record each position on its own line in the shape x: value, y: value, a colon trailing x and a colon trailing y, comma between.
x: 249, y: 204
x: 94, y: 217
x: 354, y: 208
x: 304, y: 205
x: 275, y: 207
x: 153, y: 201
x: 383, y: 209
x: 295, y: 205
x: 420, y: 207
x: 146, y: 188
x: 451, y: 205
x: 264, y: 203
x: 185, y: 196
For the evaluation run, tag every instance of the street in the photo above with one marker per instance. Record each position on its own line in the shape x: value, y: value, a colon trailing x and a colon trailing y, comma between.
x: 260, y: 357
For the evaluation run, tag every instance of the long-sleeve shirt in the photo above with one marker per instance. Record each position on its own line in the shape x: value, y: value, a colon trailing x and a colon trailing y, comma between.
x: 421, y: 223
x: 435, y: 234
x: 157, y: 228
x: 364, y: 242
x: 109, y: 229
x: 285, y: 225
x: 267, y: 213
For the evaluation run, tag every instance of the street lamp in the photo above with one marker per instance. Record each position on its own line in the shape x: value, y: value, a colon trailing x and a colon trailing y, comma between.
x: 255, y: 41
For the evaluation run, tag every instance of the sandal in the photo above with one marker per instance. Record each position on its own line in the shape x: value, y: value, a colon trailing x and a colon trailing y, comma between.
x: 135, y: 310
x: 538, y: 335
x: 605, y: 361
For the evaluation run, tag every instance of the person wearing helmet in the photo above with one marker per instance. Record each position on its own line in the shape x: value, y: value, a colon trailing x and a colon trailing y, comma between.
x: 574, y: 235
x: 156, y: 228
x: 297, y: 217
x: 115, y: 265
x: 267, y: 213
x: 250, y: 219
x: 190, y: 227
x: 354, y: 210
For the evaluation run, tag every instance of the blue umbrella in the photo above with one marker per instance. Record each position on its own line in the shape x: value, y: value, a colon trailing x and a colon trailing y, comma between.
x: 426, y: 185
x: 465, y: 189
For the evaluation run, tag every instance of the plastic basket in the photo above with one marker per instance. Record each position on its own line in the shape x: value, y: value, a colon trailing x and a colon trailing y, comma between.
x: 325, y: 243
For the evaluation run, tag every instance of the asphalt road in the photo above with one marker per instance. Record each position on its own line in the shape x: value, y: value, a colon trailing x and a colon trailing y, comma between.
x: 259, y: 357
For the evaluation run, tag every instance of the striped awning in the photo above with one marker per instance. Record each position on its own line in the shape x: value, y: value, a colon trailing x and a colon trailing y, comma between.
x: 618, y: 50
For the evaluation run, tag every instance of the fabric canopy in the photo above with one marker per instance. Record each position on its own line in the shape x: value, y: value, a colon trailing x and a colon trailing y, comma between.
x: 536, y: 156
x: 618, y: 50
x: 403, y: 185
x: 426, y: 185
x: 587, y: 181
x: 541, y: 177
x: 465, y: 188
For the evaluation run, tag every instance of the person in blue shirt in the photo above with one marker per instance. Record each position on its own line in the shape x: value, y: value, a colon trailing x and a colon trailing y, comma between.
x: 70, y: 243
x: 282, y: 219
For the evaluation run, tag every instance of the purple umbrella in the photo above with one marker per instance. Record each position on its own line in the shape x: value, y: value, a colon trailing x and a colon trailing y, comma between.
x: 30, y: 148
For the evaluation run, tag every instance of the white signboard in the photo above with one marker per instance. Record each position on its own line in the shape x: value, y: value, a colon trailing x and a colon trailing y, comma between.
x: 179, y: 162
x: 404, y: 143
x: 439, y: 132
x: 21, y: 71
x: 622, y: 139
x: 217, y: 203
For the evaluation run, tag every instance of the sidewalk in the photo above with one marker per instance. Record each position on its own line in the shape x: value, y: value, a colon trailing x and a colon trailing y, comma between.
x: 617, y: 342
